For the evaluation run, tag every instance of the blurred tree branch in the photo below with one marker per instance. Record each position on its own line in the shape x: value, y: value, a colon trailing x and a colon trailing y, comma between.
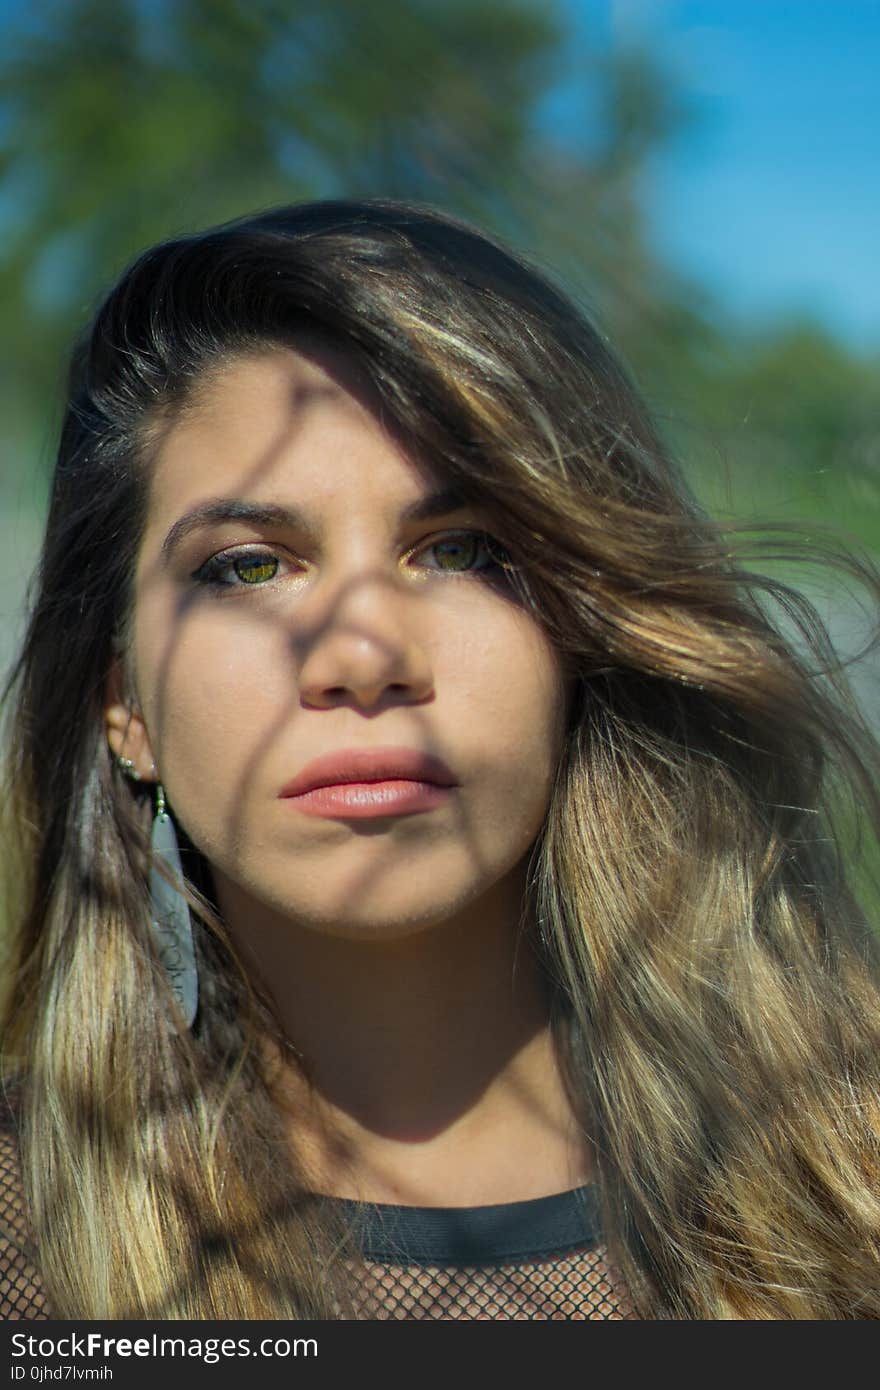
x: 122, y: 121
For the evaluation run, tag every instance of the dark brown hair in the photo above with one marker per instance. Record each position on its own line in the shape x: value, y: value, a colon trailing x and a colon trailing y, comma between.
x: 715, y: 978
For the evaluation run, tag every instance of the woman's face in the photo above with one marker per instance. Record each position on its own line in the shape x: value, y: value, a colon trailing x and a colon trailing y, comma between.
x: 303, y: 592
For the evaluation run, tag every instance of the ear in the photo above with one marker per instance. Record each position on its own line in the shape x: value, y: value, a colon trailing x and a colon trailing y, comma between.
x: 126, y: 731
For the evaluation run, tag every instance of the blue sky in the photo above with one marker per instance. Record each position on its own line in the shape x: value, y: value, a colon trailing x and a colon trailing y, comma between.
x: 773, y: 197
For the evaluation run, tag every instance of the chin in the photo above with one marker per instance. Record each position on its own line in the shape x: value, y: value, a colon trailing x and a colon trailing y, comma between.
x: 368, y: 903
x: 379, y: 921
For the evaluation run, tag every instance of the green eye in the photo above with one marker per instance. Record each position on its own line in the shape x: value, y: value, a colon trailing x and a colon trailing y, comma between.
x: 256, y: 570
x: 464, y: 552
x: 229, y: 570
x: 458, y: 552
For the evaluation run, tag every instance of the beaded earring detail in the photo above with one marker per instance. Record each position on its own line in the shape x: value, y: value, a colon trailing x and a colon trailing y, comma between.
x: 172, y: 925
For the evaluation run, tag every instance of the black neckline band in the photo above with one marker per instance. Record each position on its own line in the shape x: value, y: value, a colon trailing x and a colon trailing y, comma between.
x: 541, y: 1226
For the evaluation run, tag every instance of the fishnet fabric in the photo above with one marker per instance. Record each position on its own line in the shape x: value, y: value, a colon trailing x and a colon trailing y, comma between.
x: 574, y: 1284
x: 20, y: 1293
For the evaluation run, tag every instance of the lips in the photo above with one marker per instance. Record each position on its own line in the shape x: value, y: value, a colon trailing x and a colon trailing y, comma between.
x: 365, y: 765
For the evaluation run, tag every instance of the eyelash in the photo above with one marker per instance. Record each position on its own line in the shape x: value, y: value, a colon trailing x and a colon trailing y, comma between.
x: 212, y: 571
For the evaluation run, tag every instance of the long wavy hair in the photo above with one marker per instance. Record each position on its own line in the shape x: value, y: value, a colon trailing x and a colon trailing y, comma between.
x: 714, y: 979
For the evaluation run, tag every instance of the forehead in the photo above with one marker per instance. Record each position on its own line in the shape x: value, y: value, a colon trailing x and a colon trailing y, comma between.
x: 276, y: 421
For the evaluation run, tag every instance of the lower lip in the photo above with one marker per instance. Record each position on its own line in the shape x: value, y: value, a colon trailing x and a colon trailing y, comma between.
x: 367, y: 800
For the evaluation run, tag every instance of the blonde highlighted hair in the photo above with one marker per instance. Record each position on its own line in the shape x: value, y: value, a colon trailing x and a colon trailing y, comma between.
x: 714, y: 979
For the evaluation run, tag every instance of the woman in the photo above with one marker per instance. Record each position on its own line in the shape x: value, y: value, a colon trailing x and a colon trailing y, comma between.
x: 511, y: 910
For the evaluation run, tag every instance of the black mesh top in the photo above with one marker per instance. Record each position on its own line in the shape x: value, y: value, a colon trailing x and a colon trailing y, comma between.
x: 520, y: 1260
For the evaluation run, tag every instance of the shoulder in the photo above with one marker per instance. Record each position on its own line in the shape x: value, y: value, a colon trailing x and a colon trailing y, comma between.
x: 21, y: 1293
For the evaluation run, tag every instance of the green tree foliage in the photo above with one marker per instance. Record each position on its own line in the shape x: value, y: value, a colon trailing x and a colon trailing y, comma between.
x: 798, y: 398
x: 126, y: 121
x: 122, y: 121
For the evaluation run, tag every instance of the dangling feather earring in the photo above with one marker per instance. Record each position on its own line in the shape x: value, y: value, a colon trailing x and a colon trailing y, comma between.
x: 172, y: 926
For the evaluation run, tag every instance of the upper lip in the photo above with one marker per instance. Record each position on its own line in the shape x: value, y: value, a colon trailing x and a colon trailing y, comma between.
x: 369, y: 765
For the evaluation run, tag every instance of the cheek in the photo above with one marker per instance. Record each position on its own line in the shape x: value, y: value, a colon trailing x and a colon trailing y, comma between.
x: 520, y: 682
x: 514, y: 703
x: 212, y: 695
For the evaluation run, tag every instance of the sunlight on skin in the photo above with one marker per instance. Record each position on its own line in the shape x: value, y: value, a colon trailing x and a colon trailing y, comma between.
x: 391, y: 945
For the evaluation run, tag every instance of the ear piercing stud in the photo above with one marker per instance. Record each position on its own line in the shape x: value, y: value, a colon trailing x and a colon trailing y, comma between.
x: 128, y: 769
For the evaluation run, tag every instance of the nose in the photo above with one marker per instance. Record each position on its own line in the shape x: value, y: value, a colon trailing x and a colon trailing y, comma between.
x: 364, y: 651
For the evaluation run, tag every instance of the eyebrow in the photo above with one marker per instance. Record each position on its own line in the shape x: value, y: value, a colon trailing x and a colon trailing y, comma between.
x: 268, y: 514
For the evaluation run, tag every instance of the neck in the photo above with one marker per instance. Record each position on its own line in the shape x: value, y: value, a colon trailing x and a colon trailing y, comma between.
x: 428, y: 1069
